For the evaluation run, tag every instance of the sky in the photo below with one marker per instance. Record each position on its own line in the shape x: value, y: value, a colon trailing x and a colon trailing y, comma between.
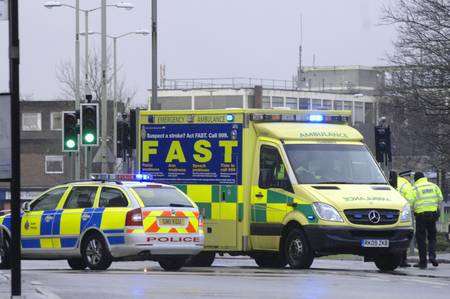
x: 201, y: 39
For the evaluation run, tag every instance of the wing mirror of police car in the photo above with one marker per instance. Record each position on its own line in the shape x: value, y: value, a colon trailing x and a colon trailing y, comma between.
x: 26, y: 206
x: 393, y: 179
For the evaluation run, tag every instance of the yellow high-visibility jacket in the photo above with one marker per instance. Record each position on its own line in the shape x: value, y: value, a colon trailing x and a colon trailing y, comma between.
x: 405, y: 188
x: 427, y: 196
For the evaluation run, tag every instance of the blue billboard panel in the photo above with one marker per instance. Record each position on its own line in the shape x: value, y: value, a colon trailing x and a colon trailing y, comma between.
x: 192, y: 153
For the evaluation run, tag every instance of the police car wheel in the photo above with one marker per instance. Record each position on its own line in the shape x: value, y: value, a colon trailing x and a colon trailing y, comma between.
x: 4, y: 254
x: 387, y: 262
x: 297, y: 250
x: 203, y: 259
x: 270, y: 260
x: 95, y: 253
x: 172, y: 264
x: 77, y: 264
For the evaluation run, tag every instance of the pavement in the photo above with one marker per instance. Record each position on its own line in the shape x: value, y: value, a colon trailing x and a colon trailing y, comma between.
x: 230, y: 277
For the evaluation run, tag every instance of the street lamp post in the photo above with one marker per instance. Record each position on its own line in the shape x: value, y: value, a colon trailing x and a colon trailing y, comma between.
x: 55, y: 4
x: 114, y: 39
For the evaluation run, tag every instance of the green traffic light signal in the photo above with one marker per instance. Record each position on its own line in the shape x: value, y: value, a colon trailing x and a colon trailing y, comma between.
x: 69, y: 132
x: 89, y: 124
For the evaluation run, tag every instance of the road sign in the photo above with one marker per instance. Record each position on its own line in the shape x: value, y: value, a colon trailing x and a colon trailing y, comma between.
x: 3, y: 10
x: 5, y: 136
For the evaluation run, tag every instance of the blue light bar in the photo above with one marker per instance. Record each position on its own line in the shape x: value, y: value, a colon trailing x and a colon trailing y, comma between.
x: 230, y: 117
x: 143, y: 177
x: 317, y: 118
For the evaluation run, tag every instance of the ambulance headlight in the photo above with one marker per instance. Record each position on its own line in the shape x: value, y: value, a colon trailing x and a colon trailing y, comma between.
x: 405, y: 215
x: 327, y: 212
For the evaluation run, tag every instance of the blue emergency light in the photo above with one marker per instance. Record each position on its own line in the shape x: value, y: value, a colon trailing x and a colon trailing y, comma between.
x: 143, y: 177
x: 230, y: 117
x: 316, y: 118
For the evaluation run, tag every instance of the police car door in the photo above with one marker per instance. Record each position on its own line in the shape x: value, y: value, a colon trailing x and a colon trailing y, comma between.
x: 78, y: 214
x: 37, y: 234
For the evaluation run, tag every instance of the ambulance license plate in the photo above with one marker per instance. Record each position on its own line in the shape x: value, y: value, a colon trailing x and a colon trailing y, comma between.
x: 375, y: 243
x: 173, y: 221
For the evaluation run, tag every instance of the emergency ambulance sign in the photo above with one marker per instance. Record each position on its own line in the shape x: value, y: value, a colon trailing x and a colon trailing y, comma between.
x: 192, y: 153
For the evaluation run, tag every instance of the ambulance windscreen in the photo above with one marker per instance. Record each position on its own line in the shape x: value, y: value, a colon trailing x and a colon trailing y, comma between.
x: 162, y: 197
x: 333, y: 164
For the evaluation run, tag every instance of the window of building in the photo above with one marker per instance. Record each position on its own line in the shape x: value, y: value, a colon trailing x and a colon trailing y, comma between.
x: 31, y: 121
x: 337, y: 105
x: 55, y: 121
x: 49, y: 200
x: 81, y: 198
x: 277, y: 102
x: 291, y: 103
x: 316, y: 104
x: 359, y: 112
x: 112, y: 198
x: 348, y: 105
x: 327, y: 104
x: 303, y: 104
x: 369, y: 113
x: 272, y: 172
x: 266, y: 102
x: 54, y: 164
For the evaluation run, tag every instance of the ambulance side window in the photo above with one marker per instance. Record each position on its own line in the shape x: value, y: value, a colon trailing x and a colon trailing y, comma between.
x: 272, y: 171
x: 81, y: 198
x: 112, y: 198
x: 48, y: 201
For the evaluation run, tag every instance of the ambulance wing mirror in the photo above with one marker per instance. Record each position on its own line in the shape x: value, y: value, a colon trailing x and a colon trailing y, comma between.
x: 393, y: 178
x: 26, y: 207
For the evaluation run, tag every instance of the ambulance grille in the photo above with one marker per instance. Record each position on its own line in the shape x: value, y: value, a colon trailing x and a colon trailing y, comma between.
x: 361, y: 216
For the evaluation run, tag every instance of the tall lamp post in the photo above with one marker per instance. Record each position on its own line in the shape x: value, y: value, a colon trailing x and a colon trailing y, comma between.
x: 56, y: 4
x: 114, y: 39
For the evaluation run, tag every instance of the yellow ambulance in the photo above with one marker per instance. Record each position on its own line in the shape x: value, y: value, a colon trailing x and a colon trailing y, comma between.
x: 281, y: 186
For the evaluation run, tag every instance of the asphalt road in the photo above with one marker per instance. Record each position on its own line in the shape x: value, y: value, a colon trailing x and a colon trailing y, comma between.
x: 230, y: 278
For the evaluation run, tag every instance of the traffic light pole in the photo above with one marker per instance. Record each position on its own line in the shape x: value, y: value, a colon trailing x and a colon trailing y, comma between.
x: 104, y: 102
x: 153, y: 101
x: 14, y: 55
x: 77, y: 79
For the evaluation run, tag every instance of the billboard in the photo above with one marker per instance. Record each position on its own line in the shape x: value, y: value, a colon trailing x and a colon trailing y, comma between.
x: 5, y: 136
x: 192, y: 153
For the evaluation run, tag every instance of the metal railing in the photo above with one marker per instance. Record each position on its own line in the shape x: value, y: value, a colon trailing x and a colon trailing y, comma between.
x: 234, y: 83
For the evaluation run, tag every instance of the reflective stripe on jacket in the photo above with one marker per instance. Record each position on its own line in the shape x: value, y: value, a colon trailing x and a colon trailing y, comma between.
x: 427, y: 196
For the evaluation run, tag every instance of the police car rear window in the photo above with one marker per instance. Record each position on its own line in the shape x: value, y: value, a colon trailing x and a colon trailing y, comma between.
x: 162, y: 197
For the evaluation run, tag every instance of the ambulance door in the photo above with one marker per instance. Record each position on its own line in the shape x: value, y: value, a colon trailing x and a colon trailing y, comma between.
x: 269, y: 197
x: 38, y: 222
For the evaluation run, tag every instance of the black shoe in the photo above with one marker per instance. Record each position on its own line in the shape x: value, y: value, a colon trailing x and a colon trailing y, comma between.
x: 420, y: 265
x: 434, y: 263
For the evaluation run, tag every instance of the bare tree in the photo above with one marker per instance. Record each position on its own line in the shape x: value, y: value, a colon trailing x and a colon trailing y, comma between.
x: 65, y: 75
x: 418, y: 87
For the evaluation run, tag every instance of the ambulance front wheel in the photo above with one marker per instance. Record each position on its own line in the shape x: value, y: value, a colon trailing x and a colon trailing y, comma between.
x: 95, y: 252
x: 387, y: 262
x: 297, y: 250
x: 172, y: 263
x: 77, y: 263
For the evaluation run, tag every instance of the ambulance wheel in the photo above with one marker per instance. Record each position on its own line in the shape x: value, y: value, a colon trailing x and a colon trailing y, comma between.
x: 172, y: 263
x: 203, y: 259
x: 76, y: 264
x: 387, y: 262
x: 95, y: 252
x: 4, y: 253
x: 297, y: 250
x: 270, y: 260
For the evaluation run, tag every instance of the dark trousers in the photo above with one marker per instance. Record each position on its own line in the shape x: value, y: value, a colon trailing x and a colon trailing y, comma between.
x: 426, y: 229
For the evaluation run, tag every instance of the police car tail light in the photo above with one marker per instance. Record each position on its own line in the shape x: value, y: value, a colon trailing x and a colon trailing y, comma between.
x: 200, y: 221
x: 134, y: 218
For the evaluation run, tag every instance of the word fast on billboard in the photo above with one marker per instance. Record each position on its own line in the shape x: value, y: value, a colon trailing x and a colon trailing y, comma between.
x: 192, y: 153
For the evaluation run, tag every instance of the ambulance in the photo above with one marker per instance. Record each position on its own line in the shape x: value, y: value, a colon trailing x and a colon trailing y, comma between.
x: 281, y: 186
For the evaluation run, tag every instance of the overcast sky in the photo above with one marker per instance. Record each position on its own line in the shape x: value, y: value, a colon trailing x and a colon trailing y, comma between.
x: 202, y: 38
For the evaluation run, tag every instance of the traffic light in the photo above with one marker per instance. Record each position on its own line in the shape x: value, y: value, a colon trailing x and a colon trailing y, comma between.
x: 383, y: 144
x: 89, y: 124
x: 69, y: 132
x: 123, y: 138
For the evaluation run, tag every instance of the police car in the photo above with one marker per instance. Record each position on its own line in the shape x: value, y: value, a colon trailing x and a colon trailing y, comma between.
x: 93, y: 223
